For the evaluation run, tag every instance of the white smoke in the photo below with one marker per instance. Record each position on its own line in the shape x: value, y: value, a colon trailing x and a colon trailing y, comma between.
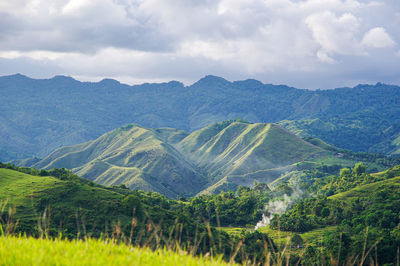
x: 277, y: 207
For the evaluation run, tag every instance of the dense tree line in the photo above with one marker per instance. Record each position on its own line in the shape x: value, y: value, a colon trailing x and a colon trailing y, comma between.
x: 370, y: 217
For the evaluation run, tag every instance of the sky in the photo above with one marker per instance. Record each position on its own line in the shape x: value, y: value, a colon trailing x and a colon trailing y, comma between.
x: 302, y: 43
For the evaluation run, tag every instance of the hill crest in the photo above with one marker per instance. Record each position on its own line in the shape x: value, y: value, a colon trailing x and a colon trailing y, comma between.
x: 176, y: 163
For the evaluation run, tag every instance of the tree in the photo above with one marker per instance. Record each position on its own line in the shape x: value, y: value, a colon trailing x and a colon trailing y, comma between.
x: 297, y: 240
x: 325, y: 212
x: 133, y: 206
x: 359, y: 169
x: 344, y: 172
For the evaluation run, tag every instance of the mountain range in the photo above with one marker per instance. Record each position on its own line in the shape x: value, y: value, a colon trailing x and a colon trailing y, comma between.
x: 40, y: 115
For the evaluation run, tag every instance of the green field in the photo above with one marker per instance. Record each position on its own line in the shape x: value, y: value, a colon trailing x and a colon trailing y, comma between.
x: 31, y: 251
x: 282, y: 237
x: 20, y: 189
x: 310, y: 238
x: 235, y: 231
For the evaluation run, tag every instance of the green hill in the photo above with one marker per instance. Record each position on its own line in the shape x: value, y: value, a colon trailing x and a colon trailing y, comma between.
x: 363, y: 192
x: 31, y: 195
x: 68, y: 204
x: 240, y: 153
x: 41, y: 205
x: 138, y: 157
x: 221, y: 156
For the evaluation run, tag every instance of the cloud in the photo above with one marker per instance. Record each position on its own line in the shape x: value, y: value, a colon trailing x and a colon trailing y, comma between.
x: 304, y: 43
x: 324, y: 57
x: 81, y: 26
x: 335, y: 34
x: 377, y: 38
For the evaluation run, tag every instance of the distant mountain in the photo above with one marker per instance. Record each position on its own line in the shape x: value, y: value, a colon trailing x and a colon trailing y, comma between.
x: 38, y: 116
x: 218, y: 157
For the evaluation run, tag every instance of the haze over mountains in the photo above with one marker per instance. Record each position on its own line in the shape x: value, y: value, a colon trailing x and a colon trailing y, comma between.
x: 38, y: 116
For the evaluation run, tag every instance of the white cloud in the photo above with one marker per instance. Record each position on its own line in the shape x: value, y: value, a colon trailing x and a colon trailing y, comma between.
x: 377, y: 38
x: 323, y: 57
x: 286, y: 41
x: 336, y: 35
x: 37, y: 55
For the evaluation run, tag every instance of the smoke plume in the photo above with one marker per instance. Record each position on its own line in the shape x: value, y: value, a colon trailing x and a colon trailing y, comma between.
x: 278, y: 207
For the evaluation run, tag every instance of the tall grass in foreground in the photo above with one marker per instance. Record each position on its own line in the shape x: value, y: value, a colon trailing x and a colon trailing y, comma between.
x: 118, y: 249
x: 30, y: 251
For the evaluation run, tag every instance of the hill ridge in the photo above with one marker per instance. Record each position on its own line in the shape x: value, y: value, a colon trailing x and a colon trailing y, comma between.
x: 40, y: 115
x: 177, y: 163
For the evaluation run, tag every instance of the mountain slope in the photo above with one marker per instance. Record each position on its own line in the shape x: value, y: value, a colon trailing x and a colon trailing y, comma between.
x: 241, y: 153
x: 138, y: 157
x: 30, y: 195
x: 363, y: 192
x: 175, y: 163
x: 40, y: 115
x: 68, y: 204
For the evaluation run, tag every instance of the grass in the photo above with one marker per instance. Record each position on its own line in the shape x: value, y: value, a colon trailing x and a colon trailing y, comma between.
x: 22, y: 188
x: 136, y: 156
x: 47, y: 206
x: 176, y: 163
x: 281, y: 237
x: 234, y: 231
x: 30, y: 196
x: 242, y: 153
x: 365, y: 191
x: 311, y: 237
x: 19, y: 189
x: 31, y: 251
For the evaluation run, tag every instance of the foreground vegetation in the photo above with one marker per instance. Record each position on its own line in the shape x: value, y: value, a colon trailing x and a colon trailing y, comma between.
x: 31, y: 251
x: 47, y: 206
x: 364, y: 211
x: 352, y: 217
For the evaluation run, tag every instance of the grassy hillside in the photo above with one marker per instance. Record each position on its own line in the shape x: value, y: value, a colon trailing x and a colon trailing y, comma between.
x: 30, y: 195
x: 30, y: 251
x: 238, y: 153
x: 138, y: 157
x: 72, y: 206
x: 363, y: 192
x: 366, y: 214
x: 219, y: 157
x: 241, y: 148
x: 76, y: 208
